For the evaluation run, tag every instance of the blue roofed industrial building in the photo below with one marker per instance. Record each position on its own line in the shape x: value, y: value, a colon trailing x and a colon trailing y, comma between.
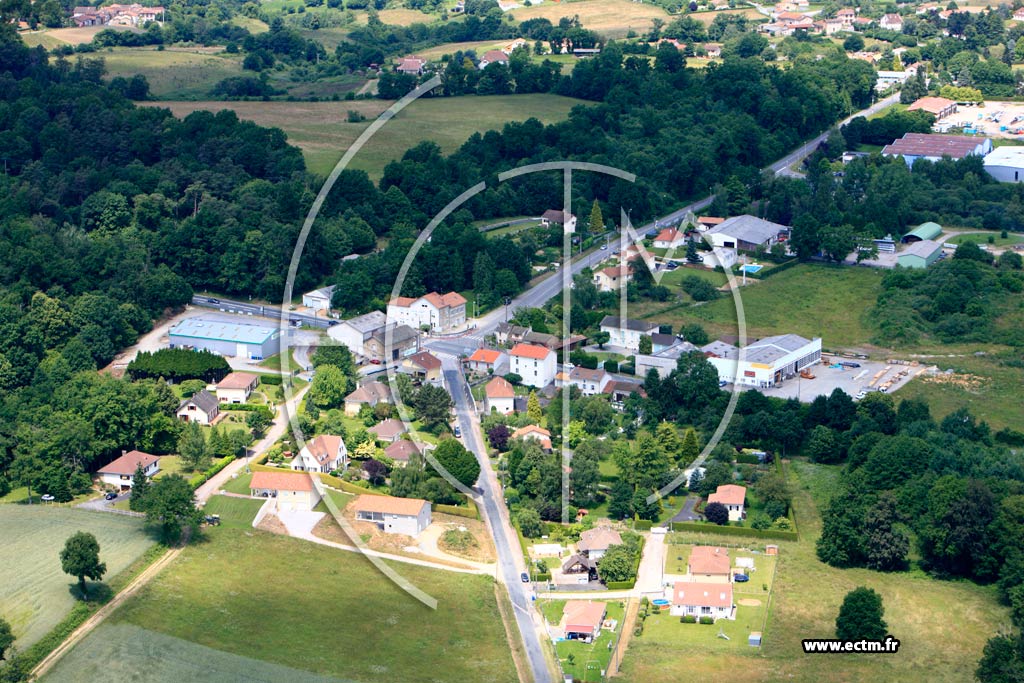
x: 253, y: 341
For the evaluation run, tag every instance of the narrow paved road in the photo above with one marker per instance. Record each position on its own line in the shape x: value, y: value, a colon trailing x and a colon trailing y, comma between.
x: 510, y: 561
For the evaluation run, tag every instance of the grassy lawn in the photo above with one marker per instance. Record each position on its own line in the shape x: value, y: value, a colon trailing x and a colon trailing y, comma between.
x: 611, y: 18
x: 942, y: 625
x: 236, y: 593
x: 173, y: 74
x: 236, y: 513
x: 982, y: 238
x: 989, y: 389
x: 34, y: 593
x: 239, y: 484
x: 274, y: 362
x: 322, y: 130
x: 340, y: 499
x: 169, y: 464
x: 587, y: 660
x: 809, y: 300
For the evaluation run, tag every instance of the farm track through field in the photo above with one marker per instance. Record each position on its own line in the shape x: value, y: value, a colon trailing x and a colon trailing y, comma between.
x: 95, y: 620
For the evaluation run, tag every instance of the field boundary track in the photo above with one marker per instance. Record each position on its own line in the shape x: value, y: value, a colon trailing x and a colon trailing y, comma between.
x: 103, y: 612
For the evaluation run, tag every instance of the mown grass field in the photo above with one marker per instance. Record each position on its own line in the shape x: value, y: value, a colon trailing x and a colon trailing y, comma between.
x: 35, y: 594
x: 234, y: 512
x: 173, y: 74
x: 612, y: 18
x: 322, y: 130
x: 942, y: 625
x: 308, y: 607
x: 809, y: 300
x: 122, y: 652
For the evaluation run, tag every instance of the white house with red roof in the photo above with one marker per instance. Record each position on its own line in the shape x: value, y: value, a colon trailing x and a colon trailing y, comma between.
x: 409, y: 516
x: 733, y: 497
x: 325, y: 453
x: 535, y: 432
x: 411, y: 65
x: 613, y: 278
x: 493, y: 57
x: 891, y: 22
x: 290, y: 491
x: 701, y: 599
x: 669, y: 238
x: 582, y: 620
x: 535, y: 364
x: 499, y: 396
x: 487, y: 361
x: 437, y: 312
x: 121, y: 472
x: 236, y: 387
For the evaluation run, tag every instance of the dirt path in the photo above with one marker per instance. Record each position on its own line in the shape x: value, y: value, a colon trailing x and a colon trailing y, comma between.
x: 95, y: 620
x: 628, y: 622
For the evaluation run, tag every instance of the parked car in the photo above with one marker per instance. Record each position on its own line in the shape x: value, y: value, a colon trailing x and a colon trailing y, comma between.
x: 457, y: 431
x: 47, y: 498
x: 525, y: 577
x: 332, y: 323
x: 212, y: 300
x: 111, y: 495
x: 374, y: 361
x: 850, y: 364
x: 722, y: 383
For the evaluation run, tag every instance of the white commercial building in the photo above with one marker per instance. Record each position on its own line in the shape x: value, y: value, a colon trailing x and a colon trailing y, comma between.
x: 355, y: 332
x: 766, y: 362
x: 318, y: 299
x: 1006, y: 164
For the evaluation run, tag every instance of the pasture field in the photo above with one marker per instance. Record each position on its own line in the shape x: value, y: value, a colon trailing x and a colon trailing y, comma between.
x: 119, y: 652
x: 942, y: 625
x: 35, y: 594
x: 172, y: 73
x: 237, y: 593
x: 612, y: 18
x: 57, y: 37
x: 323, y: 132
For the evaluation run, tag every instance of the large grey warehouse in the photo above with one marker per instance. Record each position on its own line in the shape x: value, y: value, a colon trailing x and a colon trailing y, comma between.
x: 253, y: 341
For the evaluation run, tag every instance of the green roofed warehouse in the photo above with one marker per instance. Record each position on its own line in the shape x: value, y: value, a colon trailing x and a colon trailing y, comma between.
x: 925, y: 231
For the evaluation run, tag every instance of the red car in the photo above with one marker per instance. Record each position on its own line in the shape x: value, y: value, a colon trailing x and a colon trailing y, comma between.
x: 374, y: 361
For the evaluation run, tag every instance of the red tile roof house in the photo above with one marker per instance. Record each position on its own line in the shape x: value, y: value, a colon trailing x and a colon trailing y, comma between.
x: 411, y: 65
x: 120, y: 472
x: 669, y: 238
x: 291, y: 491
x: 409, y: 516
x: 534, y: 364
x: 388, y: 431
x: 594, y: 543
x: 493, y: 57
x: 613, y: 278
x: 438, y: 312
x: 536, y: 433
x: 499, y: 397
x: 732, y: 497
x: 699, y: 599
x: 423, y: 365
x: 487, y: 361
x: 236, y: 387
x: 582, y: 619
x: 709, y: 564
x: 369, y: 394
x: 401, y: 451
x: 326, y: 453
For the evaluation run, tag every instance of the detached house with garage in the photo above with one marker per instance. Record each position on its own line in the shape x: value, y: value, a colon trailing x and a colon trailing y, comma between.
x: 535, y: 364
x: 121, y: 472
x: 290, y: 491
x: 409, y: 516
x: 236, y: 387
x: 669, y: 238
x: 325, y: 453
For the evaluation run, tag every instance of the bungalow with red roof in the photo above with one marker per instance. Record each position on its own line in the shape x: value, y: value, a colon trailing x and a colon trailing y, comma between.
x: 437, y: 312
x: 499, y: 397
x: 492, y: 57
x: 409, y: 516
x: 709, y: 564
x: 700, y: 599
x: 669, y: 238
x: 733, y: 497
x: 487, y: 361
x: 1018, y: 14
x: 536, y: 365
x: 291, y: 491
x: 708, y: 222
x: 594, y: 543
x: 582, y: 619
x: 388, y: 431
x: 401, y: 451
x: 411, y: 65
x: 326, y: 453
x: 120, y: 473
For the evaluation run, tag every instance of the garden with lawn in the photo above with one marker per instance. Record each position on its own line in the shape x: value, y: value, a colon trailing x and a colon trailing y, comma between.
x: 585, y: 661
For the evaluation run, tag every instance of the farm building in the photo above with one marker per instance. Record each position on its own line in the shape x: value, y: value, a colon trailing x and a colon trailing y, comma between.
x: 409, y: 516
x: 765, y: 362
x: 920, y: 254
x: 939, y: 107
x: 252, y: 341
x: 925, y: 231
x: 121, y: 472
x: 914, y: 146
x: 1006, y: 164
x: 292, y: 491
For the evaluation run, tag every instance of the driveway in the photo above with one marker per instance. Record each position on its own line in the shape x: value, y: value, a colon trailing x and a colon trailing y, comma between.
x: 651, y: 574
x: 300, y: 523
x: 100, y: 504
x: 687, y: 514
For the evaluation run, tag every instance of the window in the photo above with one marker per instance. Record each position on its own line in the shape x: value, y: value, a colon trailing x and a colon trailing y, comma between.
x: 705, y: 610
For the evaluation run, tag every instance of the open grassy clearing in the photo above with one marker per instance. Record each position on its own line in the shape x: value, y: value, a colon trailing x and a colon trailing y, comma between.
x: 477, y: 46
x: 322, y: 131
x: 237, y: 593
x: 707, y: 18
x: 34, y: 593
x: 119, y: 652
x: 942, y: 625
x: 612, y: 18
x: 981, y: 238
x: 809, y: 300
x: 171, y: 73
x: 252, y: 24
x: 56, y: 37
x: 405, y: 17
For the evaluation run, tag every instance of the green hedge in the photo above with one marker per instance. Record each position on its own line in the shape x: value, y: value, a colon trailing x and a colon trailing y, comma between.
x: 735, y: 531
x: 248, y: 408
x: 276, y: 380
x: 178, y: 365
x: 198, y: 480
x: 546, y: 576
x: 643, y: 525
x: 620, y: 585
x: 468, y: 511
x: 747, y: 459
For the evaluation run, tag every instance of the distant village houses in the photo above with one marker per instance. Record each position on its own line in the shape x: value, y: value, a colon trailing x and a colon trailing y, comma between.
x: 117, y: 15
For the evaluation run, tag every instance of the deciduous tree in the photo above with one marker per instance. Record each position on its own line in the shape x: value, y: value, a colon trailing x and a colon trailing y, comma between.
x: 860, y: 616
x: 81, y: 558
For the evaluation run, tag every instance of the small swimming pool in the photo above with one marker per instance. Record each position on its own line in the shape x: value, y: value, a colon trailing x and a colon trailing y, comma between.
x: 751, y: 268
x: 660, y: 602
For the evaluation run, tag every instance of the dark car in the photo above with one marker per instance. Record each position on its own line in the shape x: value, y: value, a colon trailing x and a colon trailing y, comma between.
x: 332, y: 323
x: 850, y: 364
x: 457, y: 431
x: 213, y: 301
x: 111, y: 495
x: 525, y: 577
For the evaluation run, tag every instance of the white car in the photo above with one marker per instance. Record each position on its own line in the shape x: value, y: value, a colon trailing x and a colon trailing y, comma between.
x: 861, y: 394
x: 47, y: 498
